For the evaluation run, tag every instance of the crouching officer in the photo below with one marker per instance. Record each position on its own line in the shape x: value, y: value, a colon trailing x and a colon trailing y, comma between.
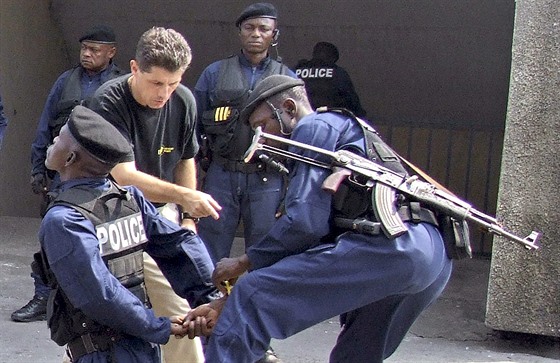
x: 307, y: 269
x: 92, y: 238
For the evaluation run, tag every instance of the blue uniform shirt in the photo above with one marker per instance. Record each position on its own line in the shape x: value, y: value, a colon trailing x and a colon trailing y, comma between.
x: 72, y: 248
x: 308, y: 207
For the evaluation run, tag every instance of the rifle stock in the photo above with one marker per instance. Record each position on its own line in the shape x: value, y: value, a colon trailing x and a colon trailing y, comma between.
x: 344, y: 164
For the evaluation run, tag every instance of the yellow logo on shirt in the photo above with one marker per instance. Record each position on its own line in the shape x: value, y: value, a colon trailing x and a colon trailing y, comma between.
x: 164, y: 149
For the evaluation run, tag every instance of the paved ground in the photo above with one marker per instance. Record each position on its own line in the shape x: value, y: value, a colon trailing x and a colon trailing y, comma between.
x: 452, y: 330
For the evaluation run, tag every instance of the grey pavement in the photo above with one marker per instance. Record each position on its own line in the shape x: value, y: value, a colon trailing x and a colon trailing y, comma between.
x: 452, y: 330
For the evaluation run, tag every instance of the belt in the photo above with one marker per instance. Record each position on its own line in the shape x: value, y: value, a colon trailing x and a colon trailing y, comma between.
x: 411, y: 212
x: 238, y: 165
x: 93, y: 342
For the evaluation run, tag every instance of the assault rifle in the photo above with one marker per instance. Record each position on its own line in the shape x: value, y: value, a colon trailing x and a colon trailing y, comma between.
x: 385, y: 185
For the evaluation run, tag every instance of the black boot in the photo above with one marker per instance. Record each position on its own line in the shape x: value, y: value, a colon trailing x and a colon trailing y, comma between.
x: 34, y: 310
x: 269, y: 357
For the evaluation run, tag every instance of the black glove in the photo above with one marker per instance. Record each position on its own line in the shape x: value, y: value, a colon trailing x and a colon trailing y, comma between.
x: 39, y: 183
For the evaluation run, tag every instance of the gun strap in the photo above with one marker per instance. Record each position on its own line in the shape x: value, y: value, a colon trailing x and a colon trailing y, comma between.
x: 425, y: 176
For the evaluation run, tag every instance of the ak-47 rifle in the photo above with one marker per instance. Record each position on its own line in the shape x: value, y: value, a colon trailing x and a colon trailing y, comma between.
x: 386, y: 184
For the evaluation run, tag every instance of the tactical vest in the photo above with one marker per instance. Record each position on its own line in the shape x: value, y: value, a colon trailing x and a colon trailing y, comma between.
x: 228, y: 136
x: 120, y: 230
x: 352, y: 199
x: 72, y: 96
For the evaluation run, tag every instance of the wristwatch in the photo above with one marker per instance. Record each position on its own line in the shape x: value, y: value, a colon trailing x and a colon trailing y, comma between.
x: 185, y: 215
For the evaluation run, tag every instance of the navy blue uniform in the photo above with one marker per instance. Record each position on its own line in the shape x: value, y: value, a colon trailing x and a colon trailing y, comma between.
x: 72, y: 249
x: 299, y: 278
x: 253, y: 197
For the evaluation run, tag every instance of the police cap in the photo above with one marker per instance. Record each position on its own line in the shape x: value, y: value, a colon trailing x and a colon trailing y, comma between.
x: 257, y: 10
x: 97, y: 136
x: 99, y: 34
x: 267, y: 88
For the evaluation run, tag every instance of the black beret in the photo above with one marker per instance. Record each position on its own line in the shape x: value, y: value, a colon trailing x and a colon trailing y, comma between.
x: 257, y: 10
x: 97, y: 136
x: 99, y: 34
x: 267, y: 88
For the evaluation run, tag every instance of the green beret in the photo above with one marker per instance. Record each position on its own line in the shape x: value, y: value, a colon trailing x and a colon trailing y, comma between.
x: 97, y: 136
x: 258, y: 10
x: 267, y: 88
x: 99, y: 34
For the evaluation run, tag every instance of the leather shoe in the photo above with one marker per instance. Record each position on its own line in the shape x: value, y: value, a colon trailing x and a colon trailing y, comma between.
x: 34, y: 310
x: 269, y: 357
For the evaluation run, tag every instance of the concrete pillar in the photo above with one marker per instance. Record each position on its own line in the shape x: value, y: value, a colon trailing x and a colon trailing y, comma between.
x: 524, y: 286
x: 32, y: 56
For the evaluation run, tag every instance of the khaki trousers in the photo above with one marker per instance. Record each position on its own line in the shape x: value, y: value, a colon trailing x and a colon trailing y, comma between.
x: 166, y: 303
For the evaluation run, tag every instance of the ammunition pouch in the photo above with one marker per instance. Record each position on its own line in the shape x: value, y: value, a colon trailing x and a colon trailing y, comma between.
x: 59, y: 309
x: 456, y: 237
x: 94, y: 342
x: 59, y: 318
x: 410, y: 212
x: 351, y: 200
x: 413, y: 212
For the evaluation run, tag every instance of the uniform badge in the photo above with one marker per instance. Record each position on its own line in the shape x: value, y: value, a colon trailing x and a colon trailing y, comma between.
x: 222, y: 113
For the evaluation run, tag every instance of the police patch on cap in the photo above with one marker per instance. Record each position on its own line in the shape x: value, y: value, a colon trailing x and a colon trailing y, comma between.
x: 267, y: 88
x: 97, y: 136
x: 99, y: 34
x: 257, y: 10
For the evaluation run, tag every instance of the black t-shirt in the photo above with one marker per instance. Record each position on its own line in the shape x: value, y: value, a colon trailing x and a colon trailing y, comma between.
x: 160, y: 137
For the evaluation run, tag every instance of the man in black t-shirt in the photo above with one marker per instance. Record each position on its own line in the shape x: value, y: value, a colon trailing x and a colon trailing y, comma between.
x: 157, y: 114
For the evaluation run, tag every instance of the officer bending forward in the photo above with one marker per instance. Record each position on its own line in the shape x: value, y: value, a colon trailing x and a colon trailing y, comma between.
x: 305, y: 270
x: 92, y: 239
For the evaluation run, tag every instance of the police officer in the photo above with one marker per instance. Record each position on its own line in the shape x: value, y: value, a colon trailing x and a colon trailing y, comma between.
x: 307, y: 269
x: 248, y: 192
x: 92, y: 238
x: 327, y: 83
x: 74, y: 86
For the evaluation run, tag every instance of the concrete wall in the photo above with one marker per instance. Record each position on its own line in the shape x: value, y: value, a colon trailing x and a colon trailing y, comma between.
x: 428, y: 61
x: 524, y: 287
x: 431, y: 73
x: 32, y: 55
